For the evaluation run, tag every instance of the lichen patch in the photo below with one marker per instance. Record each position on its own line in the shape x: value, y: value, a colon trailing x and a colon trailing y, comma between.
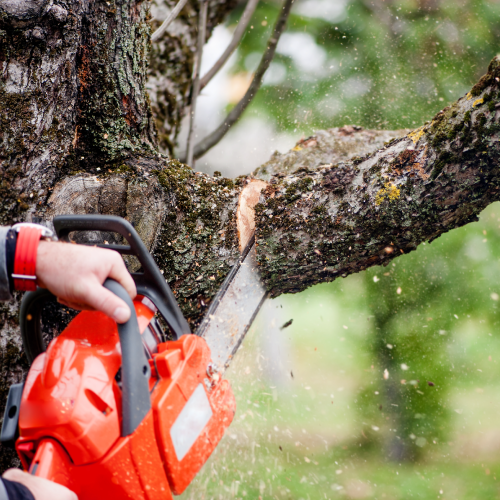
x: 416, y: 135
x: 389, y: 192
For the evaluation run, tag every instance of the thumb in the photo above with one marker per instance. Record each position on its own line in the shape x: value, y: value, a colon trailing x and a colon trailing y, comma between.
x: 107, y: 302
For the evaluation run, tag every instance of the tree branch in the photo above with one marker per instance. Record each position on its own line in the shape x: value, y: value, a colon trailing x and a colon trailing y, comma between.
x: 319, y: 218
x: 325, y: 147
x: 209, y: 142
x: 331, y: 220
x: 166, y: 23
x: 202, y: 26
x: 237, y: 36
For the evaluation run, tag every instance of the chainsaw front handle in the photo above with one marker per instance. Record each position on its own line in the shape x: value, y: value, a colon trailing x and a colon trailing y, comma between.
x: 150, y: 282
x: 135, y: 367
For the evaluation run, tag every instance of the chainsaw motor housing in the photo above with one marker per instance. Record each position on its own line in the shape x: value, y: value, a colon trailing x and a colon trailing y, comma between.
x: 119, y: 410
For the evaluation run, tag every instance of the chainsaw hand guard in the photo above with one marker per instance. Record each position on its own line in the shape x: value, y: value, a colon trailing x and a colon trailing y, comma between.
x: 149, y: 283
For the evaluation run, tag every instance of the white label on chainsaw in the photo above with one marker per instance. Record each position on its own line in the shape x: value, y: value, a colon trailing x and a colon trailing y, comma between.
x: 190, y: 422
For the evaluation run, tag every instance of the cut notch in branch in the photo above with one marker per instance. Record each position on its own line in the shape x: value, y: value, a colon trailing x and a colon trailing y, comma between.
x: 237, y: 36
x: 209, y: 142
x: 245, y: 214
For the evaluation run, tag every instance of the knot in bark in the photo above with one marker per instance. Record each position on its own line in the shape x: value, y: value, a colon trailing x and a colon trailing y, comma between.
x: 58, y: 13
x: 22, y: 10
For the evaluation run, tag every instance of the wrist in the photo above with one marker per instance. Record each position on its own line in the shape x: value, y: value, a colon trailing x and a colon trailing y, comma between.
x: 26, y: 254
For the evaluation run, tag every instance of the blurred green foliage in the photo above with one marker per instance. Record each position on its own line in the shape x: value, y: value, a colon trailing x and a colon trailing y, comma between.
x: 379, y: 64
x: 417, y: 303
x: 428, y: 313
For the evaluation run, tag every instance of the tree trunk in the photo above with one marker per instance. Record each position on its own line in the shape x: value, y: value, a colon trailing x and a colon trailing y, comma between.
x: 78, y: 135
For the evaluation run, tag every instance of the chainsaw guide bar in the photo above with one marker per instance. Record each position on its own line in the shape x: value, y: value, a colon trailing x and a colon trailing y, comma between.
x: 233, y: 309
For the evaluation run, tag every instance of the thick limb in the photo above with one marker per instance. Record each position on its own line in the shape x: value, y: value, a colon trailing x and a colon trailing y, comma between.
x: 329, y: 220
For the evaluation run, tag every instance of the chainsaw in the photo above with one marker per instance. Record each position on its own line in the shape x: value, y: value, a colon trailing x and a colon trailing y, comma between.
x: 129, y: 410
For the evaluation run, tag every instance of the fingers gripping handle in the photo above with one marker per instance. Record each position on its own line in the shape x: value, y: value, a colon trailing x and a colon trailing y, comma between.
x: 135, y: 367
x: 150, y: 282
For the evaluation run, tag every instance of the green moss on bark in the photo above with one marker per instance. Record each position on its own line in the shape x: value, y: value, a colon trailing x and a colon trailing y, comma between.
x: 198, y: 243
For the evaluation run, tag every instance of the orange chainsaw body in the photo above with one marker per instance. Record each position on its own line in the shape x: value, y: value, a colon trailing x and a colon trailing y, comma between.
x: 70, y: 414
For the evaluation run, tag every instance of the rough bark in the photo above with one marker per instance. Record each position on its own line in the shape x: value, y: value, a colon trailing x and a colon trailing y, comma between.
x: 76, y: 123
x: 78, y: 136
x: 73, y: 96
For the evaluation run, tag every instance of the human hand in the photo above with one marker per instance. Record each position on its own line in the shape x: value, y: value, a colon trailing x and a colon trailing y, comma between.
x: 75, y: 274
x: 41, y: 489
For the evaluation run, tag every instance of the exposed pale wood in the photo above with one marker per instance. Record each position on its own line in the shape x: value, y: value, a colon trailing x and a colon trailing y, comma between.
x: 245, y: 215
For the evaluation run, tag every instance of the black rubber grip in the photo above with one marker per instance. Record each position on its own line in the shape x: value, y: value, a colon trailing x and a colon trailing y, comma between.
x: 10, y: 425
x: 135, y: 367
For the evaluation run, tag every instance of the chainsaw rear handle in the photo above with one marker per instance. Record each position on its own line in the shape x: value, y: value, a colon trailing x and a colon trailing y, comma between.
x: 135, y: 367
x: 149, y: 283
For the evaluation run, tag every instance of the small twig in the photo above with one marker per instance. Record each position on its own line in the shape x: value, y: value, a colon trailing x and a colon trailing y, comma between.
x: 165, y: 24
x: 237, y: 36
x: 209, y: 142
x: 202, y: 27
